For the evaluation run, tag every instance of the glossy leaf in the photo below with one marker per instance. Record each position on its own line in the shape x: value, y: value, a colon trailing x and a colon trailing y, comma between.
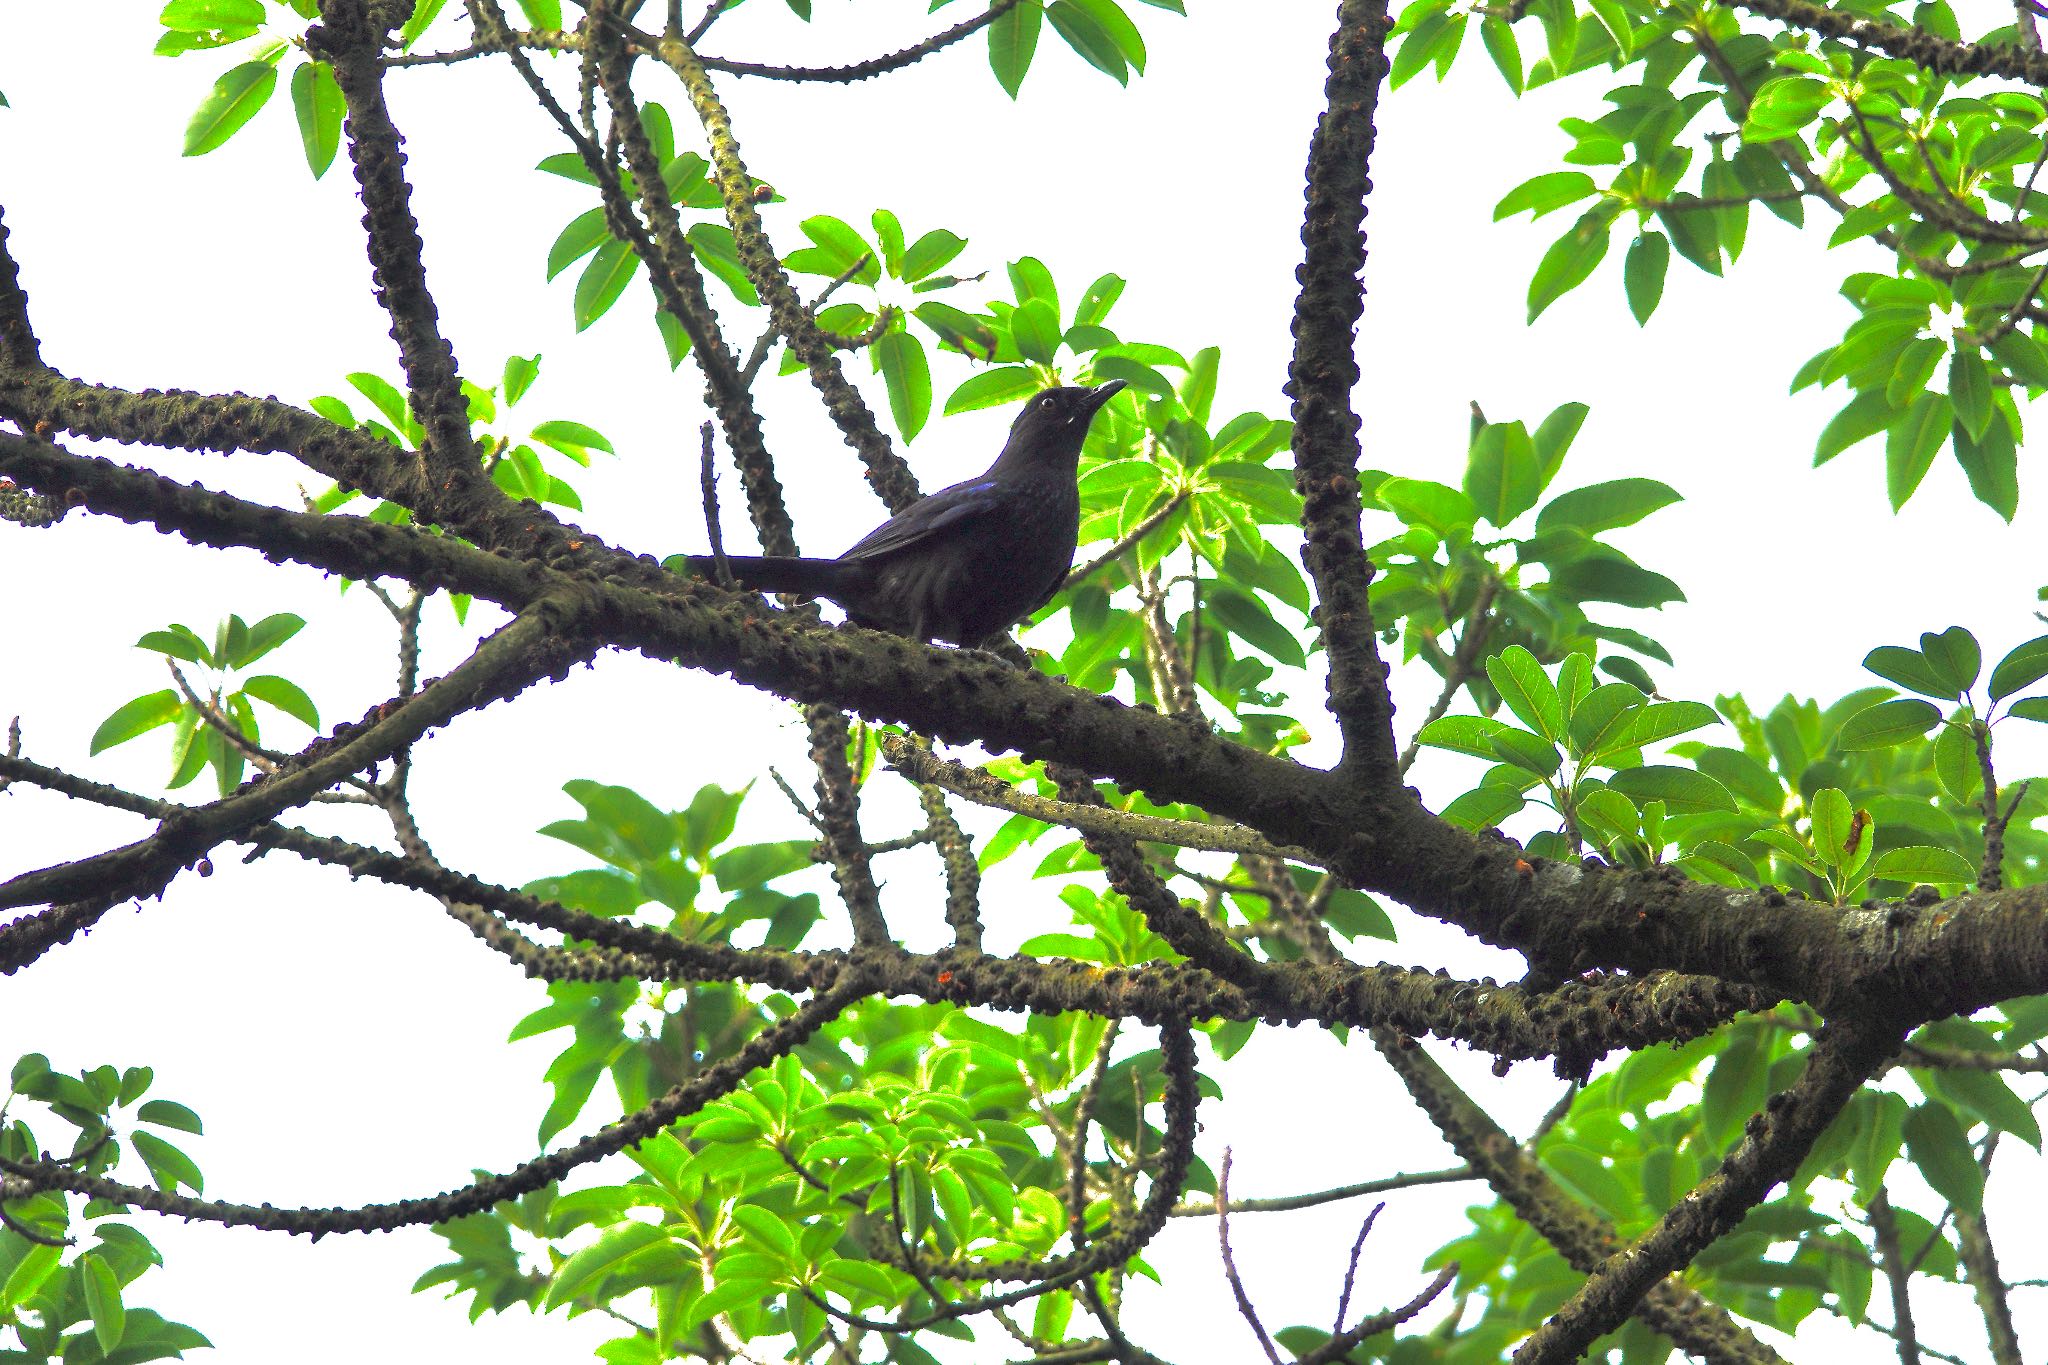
x: 1924, y: 863
x: 1888, y: 723
x: 137, y: 717
x: 1605, y: 506
x: 1684, y: 791
x: 316, y: 100
x: 235, y: 98
x: 2022, y: 666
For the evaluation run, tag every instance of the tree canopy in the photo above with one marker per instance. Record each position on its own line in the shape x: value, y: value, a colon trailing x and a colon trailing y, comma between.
x: 1787, y: 957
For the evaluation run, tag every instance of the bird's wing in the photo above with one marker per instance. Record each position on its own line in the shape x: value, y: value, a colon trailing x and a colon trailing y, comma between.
x: 928, y: 517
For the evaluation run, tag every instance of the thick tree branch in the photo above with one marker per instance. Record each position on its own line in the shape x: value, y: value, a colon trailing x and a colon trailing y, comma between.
x: 350, y: 42
x: 1320, y: 379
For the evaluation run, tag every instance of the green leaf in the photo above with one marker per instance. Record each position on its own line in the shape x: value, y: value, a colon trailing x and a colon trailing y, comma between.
x: 1834, y: 823
x: 712, y: 244
x: 991, y: 388
x: 1012, y: 39
x: 103, y: 1300
x: 1605, y: 506
x: 1783, y: 106
x: 585, y: 233
x: 1419, y: 502
x: 1247, y: 618
x: 1499, y: 37
x: 1602, y: 723
x: 767, y: 1228
x: 899, y: 358
x: 1545, y: 193
x: 137, y: 717
x: 28, y: 1274
x: 284, y: 694
x: 1923, y: 863
x: 1610, y: 578
x: 520, y: 372
x: 168, y: 1166
x: 930, y: 252
x: 1991, y: 463
x: 1790, y: 848
x: 572, y: 439
x: 1502, y: 474
x: 2023, y: 356
x: 1642, y: 274
x: 2030, y: 708
x: 1910, y: 669
x: 602, y: 281
x: 264, y: 636
x: 424, y: 12
x: 1941, y: 1150
x: 170, y: 1114
x: 1913, y: 442
x: 1664, y: 719
x: 1086, y: 37
x: 2023, y: 666
x: 1969, y: 390
x: 1570, y: 259
x: 1684, y: 791
x: 179, y: 642
x: 1888, y: 723
x: 1694, y: 231
x: 1462, y: 734
x: 1118, y: 28
x: 1525, y: 750
x: 1035, y: 327
x: 1868, y: 413
x: 207, y: 16
x: 1955, y: 757
x: 1483, y: 807
x: 1955, y: 657
x: 589, y: 1267
x: 1528, y: 692
x: 1554, y: 436
x: 841, y: 248
x: 235, y: 99
x: 316, y: 99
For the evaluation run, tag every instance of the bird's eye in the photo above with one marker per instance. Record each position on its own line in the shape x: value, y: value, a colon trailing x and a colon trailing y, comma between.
x: 1047, y: 403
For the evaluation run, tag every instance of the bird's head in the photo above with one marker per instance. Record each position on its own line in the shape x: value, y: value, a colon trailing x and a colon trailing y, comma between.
x: 1055, y: 422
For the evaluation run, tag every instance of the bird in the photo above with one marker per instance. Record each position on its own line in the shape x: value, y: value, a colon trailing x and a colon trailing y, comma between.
x: 966, y: 563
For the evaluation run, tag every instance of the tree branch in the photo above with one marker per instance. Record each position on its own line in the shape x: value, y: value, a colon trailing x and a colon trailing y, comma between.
x: 1320, y: 379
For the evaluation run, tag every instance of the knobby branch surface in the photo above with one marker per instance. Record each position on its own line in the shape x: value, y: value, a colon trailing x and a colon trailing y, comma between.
x: 352, y: 45
x: 1320, y: 378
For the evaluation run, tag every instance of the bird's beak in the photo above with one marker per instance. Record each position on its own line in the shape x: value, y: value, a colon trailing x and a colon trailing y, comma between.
x: 1102, y: 393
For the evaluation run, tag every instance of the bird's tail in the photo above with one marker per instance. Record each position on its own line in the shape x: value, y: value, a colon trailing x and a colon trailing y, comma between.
x: 811, y: 577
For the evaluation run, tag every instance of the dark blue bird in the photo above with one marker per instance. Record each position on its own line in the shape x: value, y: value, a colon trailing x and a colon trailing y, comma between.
x: 970, y: 561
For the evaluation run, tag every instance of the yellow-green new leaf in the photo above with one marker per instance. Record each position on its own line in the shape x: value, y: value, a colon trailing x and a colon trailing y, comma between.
x: 234, y: 101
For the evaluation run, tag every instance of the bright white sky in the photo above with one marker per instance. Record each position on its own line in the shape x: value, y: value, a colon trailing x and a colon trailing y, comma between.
x: 345, y: 1044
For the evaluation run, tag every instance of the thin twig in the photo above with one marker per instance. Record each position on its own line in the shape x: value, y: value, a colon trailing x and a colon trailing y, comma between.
x: 1351, y: 1267
x: 1244, y: 1302
x: 721, y: 572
